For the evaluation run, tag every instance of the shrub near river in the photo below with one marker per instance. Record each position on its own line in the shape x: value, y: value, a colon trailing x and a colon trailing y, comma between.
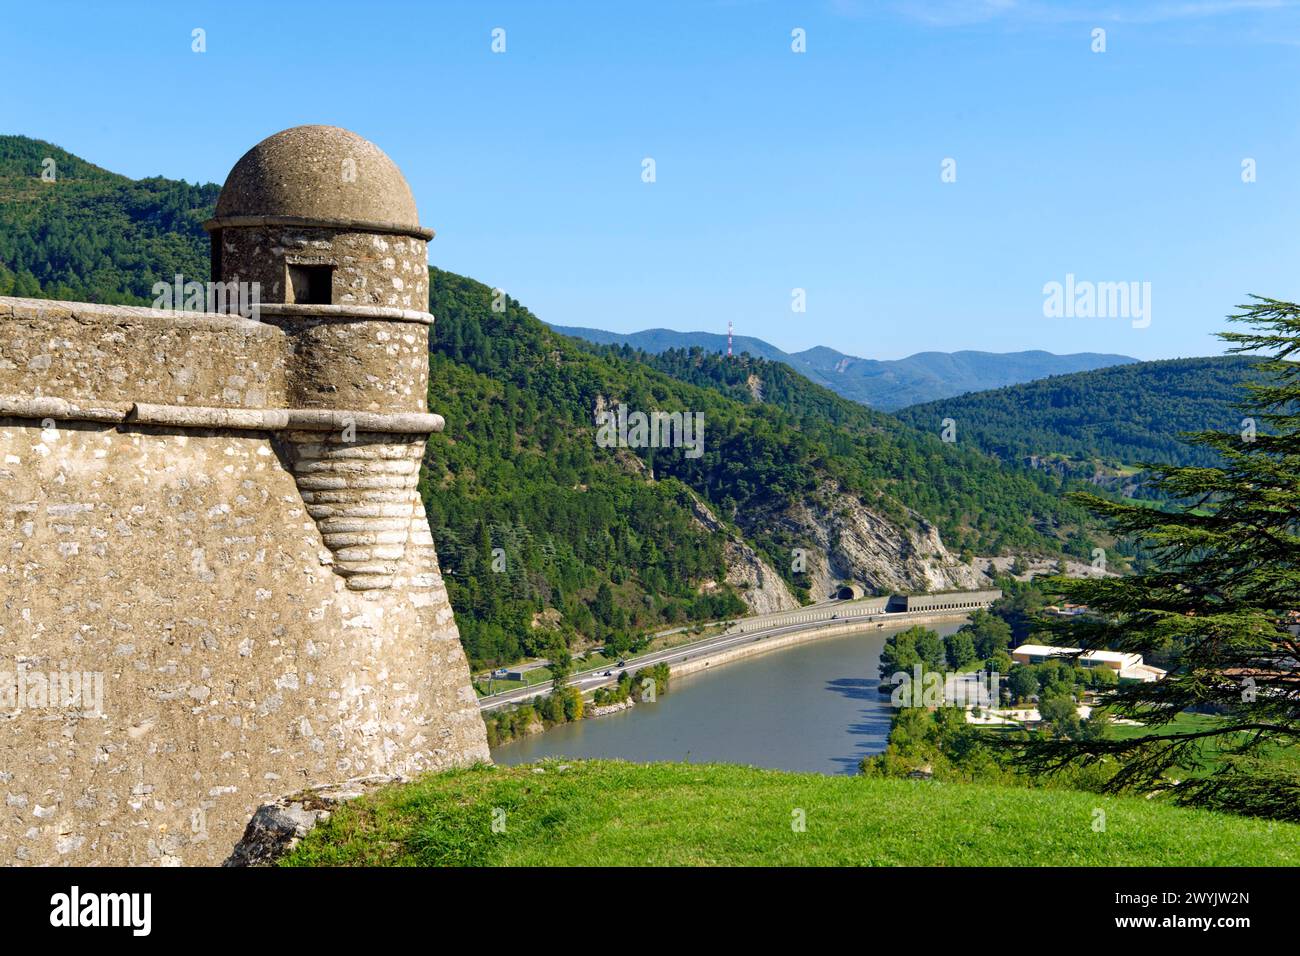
x: 565, y: 704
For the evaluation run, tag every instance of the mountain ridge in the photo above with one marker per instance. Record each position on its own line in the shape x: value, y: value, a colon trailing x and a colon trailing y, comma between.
x: 884, y: 384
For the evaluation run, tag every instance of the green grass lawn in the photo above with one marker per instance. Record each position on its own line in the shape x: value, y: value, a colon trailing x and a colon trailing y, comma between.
x: 584, y: 813
x: 1284, y: 758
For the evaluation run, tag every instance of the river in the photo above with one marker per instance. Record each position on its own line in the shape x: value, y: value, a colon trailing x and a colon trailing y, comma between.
x: 811, y: 707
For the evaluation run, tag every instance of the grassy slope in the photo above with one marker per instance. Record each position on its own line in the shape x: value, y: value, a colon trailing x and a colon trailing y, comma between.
x: 616, y: 813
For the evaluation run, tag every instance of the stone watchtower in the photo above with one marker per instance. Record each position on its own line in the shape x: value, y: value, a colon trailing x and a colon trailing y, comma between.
x: 213, y: 521
x: 325, y: 224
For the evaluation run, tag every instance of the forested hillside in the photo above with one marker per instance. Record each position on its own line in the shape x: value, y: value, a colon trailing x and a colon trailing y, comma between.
x: 543, y: 534
x: 518, y: 469
x: 976, y: 505
x: 92, y: 235
x: 1122, y: 415
x: 579, y: 528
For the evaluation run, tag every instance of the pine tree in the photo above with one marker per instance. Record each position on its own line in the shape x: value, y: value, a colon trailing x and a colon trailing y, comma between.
x: 1216, y: 603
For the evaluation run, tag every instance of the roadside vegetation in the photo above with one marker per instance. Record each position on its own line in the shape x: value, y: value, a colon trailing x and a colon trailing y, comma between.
x: 640, y: 686
x: 565, y: 704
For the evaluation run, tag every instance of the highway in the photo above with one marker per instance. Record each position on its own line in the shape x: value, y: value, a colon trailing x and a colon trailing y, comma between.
x: 745, y: 631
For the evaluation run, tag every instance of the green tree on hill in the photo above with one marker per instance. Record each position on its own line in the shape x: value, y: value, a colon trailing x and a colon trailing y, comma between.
x: 1060, y: 712
x: 989, y: 633
x: 1020, y: 602
x: 1216, y: 600
x: 1022, y: 684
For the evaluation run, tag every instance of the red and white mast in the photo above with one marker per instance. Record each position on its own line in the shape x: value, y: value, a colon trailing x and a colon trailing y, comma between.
x: 728, y: 339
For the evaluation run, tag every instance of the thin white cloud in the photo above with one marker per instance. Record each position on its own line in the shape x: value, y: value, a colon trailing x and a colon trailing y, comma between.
x: 944, y: 13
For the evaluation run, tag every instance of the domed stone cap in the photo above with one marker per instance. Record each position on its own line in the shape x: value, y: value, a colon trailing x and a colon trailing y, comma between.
x: 318, y: 175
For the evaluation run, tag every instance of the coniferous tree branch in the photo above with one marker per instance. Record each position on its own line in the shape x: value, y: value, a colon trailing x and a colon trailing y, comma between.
x: 1215, y: 606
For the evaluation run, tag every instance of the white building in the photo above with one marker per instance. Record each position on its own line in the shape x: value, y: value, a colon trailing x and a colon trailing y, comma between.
x: 1128, y: 666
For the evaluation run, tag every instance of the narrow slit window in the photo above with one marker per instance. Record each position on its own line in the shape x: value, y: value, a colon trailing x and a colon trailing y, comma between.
x: 311, y: 285
x: 215, y: 258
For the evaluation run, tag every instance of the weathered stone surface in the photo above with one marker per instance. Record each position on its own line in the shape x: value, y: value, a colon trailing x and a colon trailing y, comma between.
x: 236, y: 662
x: 759, y: 584
x: 273, y: 832
x: 277, y: 827
x: 320, y: 173
x: 99, y: 353
x: 222, y: 586
x: 369, y: 269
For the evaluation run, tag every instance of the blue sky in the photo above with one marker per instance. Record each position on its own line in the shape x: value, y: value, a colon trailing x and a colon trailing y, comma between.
x: 774, y: 170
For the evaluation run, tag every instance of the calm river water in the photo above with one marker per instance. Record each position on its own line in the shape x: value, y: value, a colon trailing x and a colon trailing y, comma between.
x: 810, y: 707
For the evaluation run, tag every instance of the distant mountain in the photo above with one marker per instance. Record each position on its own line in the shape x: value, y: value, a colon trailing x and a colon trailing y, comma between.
x: 886, y: 385
x: 1100, y: 423
x: 927, y: 376
x: 661, y: 340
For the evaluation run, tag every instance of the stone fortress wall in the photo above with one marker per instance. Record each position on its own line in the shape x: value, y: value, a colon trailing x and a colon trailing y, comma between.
x: 213, y: 524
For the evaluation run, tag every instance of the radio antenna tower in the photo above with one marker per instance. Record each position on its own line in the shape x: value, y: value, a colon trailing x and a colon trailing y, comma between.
x: 728, y: 339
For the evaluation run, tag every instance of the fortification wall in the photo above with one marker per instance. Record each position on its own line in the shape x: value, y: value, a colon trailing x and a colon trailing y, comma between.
x: 253, y: 587
x: 82, y: 352
x: 357, y: 358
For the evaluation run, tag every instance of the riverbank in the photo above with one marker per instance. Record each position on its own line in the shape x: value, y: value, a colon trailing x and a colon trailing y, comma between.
x: 813, y: 632
x: 742, y: 639
x: 810, y: 704
x: 509, y: 727
x: 514, y: 729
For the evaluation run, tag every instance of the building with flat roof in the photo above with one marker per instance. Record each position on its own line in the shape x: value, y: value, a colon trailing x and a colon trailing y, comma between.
x: 1127, y: 665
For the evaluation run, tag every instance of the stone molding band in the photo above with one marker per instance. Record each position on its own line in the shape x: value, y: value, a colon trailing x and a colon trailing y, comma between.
x: 199, y: 416
x: 16, y: 308
x: 384, y: 313
x: 349, y: 225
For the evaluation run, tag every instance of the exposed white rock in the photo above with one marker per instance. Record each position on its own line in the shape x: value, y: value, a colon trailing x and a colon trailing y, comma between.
x: 843, y: 540
x: 755, y: 580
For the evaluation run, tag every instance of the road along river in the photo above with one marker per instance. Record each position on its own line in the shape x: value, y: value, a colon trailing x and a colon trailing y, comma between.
x: 811, y: 706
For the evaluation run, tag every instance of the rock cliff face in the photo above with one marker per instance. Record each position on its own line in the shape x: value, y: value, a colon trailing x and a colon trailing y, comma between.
x: 757, y: 582
x: 844, y: 540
